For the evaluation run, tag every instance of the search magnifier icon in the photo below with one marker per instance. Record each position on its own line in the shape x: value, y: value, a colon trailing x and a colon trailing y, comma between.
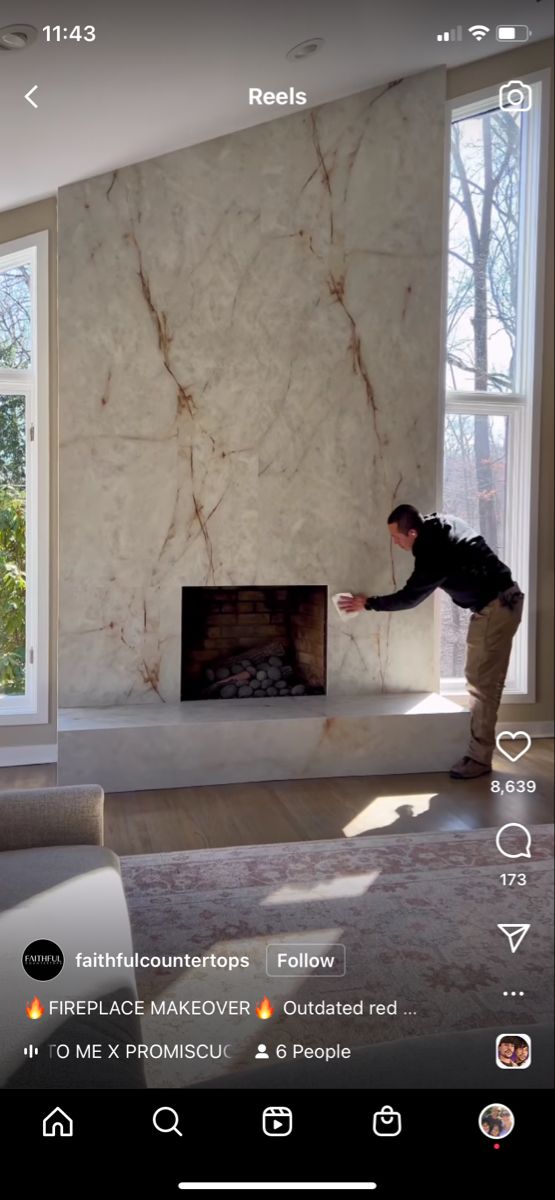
x: 165, y: 1128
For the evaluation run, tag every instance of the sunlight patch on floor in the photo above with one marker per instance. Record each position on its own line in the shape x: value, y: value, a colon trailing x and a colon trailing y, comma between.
x: 383, y: 811
x: 339, y: 888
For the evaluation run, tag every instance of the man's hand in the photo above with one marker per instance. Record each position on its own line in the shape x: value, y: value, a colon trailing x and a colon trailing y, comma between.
x: 352, y: 603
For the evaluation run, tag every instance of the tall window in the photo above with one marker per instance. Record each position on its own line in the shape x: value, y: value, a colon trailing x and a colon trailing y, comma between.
x: 491, y: 367
x: 23, y: 479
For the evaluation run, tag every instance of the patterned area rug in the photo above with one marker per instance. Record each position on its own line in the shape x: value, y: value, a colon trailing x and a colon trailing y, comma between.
x: 417, y: 913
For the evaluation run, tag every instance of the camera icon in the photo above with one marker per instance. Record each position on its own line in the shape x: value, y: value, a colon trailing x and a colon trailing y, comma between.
x: 515, y: 96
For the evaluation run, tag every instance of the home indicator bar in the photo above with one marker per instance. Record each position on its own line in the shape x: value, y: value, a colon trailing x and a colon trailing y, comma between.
x: 277, y: 1187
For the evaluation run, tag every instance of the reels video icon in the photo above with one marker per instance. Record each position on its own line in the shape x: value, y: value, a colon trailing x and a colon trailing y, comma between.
x: 277, y: 1121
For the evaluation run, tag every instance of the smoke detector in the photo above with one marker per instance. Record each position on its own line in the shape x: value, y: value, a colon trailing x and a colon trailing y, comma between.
x: 17, y: 37
x: 305, y: 49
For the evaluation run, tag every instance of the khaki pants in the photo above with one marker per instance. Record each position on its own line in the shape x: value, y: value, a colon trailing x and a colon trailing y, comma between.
x: 488, y: 650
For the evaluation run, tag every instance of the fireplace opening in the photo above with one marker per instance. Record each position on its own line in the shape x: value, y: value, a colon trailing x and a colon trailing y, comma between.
x: 240, y: 642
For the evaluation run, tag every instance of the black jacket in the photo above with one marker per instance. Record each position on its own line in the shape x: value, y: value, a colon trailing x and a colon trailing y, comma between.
x: 448, y: 554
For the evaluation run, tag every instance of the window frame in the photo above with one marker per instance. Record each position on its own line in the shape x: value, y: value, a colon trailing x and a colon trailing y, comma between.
x: 33, y: 383
x: 522, y: 406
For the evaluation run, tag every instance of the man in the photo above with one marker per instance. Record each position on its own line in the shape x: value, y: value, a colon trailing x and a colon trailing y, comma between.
x: 505, y: 1052
x: 450, y: 555
x: 506, y: 1123
x: 522, y: 1052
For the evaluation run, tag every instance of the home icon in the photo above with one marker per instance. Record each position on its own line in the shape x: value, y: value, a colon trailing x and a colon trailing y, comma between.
x: 57, y: 1124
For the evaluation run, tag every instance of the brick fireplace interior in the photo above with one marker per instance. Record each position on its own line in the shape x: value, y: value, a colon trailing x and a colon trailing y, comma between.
x: 240, y: 642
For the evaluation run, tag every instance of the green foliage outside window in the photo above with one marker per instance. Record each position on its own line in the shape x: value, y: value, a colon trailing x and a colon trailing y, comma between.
x: 15, y: 355
x: 12, y: 545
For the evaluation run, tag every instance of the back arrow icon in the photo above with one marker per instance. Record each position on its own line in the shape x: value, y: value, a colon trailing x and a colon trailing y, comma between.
x: 30, y: 93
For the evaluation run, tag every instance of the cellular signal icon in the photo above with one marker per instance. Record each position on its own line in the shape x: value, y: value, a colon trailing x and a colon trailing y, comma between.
x: 452, y: 35
x: 478, y: 31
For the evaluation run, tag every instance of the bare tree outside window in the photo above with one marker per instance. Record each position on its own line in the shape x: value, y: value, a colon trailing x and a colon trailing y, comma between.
x: 482, y: 314
x: 15, y: 317
x: 461, y: 495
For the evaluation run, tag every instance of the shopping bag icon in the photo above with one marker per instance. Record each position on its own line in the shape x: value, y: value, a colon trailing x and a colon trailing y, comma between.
x: 386, y: 1122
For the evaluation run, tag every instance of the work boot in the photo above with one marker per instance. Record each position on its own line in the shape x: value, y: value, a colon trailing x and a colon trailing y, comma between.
x: 468, y: 768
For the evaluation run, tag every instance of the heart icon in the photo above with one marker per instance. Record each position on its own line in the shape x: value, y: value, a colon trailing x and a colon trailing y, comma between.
x: 506, y: 734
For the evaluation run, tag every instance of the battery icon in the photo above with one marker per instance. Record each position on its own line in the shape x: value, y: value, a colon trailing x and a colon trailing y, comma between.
x: 512, y: 33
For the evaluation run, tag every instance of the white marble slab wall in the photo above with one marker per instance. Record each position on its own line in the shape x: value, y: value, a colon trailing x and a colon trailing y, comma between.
x: 249, y: 348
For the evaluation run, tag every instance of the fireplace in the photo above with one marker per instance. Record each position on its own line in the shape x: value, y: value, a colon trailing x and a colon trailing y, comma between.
x: 245, y: 642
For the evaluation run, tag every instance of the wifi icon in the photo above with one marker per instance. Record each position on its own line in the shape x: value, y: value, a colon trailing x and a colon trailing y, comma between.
x: 478, y: 31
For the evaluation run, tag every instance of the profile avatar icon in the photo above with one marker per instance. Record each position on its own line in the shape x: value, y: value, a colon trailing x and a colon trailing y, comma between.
x: 496, y: 1121
x: 262, y: 1052
x: 513, y: 1050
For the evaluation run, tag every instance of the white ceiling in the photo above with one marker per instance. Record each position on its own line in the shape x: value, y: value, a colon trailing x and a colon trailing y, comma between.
x: 175, y: 72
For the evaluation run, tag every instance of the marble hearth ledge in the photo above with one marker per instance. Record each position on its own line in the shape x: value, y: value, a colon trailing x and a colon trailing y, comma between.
x: 135, y: 747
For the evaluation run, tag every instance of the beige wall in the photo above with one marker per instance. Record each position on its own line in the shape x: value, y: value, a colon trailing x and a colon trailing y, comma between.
x: 263, y: 349
x: 514, y: 65
x: 33, y: 218
x: 460, y: 81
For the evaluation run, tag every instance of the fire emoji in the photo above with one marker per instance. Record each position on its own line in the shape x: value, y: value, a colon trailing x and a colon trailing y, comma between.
x: 35, y: 1009
x: 264, y: 1009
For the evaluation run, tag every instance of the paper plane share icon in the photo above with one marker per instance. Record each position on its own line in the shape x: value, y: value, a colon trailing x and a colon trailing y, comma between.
x: 515, y: 934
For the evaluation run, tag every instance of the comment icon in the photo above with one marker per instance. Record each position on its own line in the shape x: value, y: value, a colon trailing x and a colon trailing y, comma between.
x: 512, y: 844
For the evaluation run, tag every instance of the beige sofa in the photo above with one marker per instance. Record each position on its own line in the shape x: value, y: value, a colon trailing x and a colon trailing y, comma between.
x: 59, y: 883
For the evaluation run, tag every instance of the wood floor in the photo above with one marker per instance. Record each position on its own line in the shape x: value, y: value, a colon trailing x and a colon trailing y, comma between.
x: 312, y: 809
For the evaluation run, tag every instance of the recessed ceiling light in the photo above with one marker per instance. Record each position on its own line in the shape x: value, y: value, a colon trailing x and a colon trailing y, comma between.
x: 305, y: 49
x: 17, y: 37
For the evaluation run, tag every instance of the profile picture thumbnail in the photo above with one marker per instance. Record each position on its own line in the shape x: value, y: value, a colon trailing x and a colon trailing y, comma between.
x: 513, y: 1050
x: 496, y: 1121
